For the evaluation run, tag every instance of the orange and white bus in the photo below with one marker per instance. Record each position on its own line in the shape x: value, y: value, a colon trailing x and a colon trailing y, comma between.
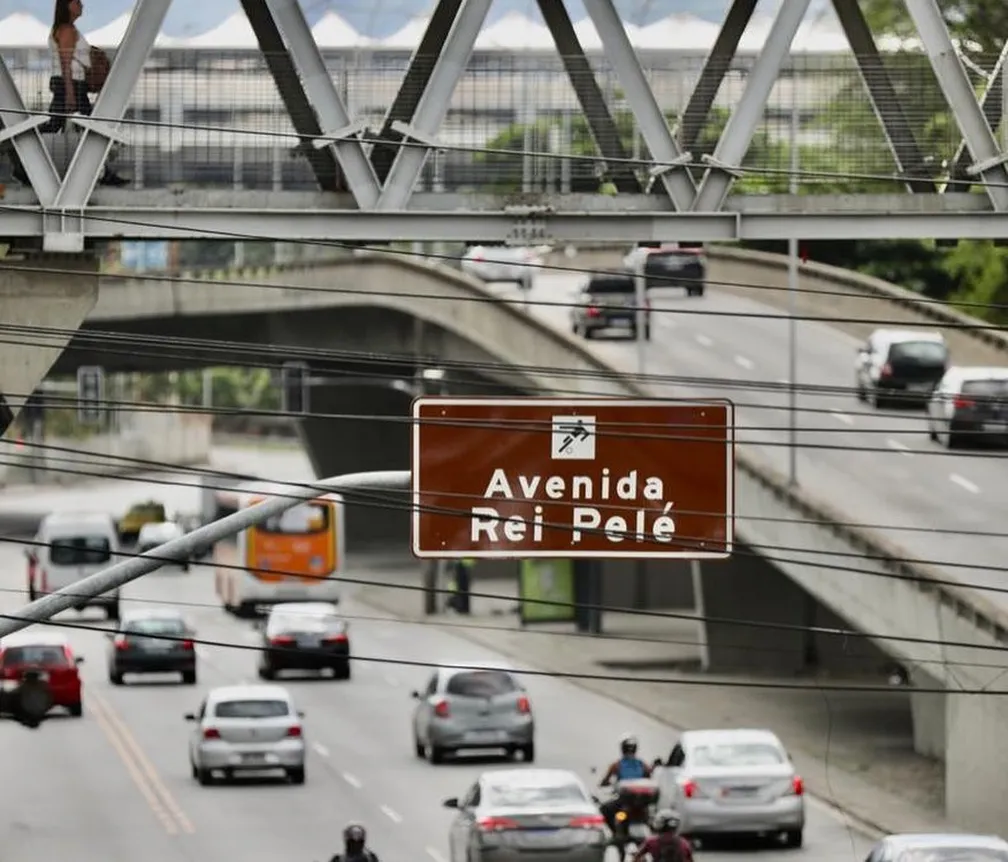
x: 296, y: 556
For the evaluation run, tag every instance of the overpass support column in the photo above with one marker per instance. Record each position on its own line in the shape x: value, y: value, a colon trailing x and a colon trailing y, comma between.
x: 976, y: 761
x: 363, y: 427
x: 928, y: 712
x: 43, y: 301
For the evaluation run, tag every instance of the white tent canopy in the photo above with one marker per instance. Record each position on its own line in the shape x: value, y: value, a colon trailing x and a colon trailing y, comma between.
x: 515, y: 32
x: 333, y: 32
x: 23, y: 31
x: 678, y: 33
x: 235, y: 32
x: 113, y: 33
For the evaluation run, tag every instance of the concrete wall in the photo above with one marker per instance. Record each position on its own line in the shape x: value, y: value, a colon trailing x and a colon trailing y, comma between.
x: 147, y: 439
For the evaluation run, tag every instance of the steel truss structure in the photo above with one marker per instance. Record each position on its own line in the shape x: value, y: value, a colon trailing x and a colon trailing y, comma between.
x: 368, y: 189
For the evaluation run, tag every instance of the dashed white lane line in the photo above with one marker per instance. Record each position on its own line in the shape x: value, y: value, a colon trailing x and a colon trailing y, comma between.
x: 351, y: 779
x: 390, y: 814
x: 704, y: 341
x: 744, y: 362
x: 899, y: 447
x: 437, y: 857
x: 320, y: 749
x: 842, y: 417
x: 964, y: 483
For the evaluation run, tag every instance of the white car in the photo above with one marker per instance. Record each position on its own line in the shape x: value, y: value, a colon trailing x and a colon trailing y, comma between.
x: 503, y: 263
x: 154, y: 534
x: 247, y: 728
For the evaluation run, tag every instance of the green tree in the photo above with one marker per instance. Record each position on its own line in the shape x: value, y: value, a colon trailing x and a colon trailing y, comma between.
x: 981, y: 26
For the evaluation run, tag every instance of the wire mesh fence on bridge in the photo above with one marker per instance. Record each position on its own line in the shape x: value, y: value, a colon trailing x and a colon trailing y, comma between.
x: 217, y: 120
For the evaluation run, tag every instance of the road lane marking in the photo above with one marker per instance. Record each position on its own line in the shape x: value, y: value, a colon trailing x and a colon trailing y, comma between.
x: 351, y: 779
x: 965, y: 483
x: 899, y: 447
x: 390, y: 814
x: 320, y: 749
x: 148, y: 768
x: 704, y: 341
x: 744, y: 362
x: 150, y: 797
x: 437, y: 857
x: 842, y: 417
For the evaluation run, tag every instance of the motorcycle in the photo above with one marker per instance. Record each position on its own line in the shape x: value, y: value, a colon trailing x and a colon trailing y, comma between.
x: 635, y: 799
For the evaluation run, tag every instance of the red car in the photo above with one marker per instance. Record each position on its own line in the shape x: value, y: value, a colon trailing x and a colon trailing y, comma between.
x: 50, y: 654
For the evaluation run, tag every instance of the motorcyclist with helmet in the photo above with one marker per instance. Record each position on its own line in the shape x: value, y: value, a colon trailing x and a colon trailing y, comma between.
x: 628, y: 767
x: 355, y: 846
x: 666, y: 845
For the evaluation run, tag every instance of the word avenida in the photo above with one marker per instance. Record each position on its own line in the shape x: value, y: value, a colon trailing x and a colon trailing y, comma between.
x: 651, y: 523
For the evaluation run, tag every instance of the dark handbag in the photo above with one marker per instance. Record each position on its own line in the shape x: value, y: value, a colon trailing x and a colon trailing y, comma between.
x: 98, y: 72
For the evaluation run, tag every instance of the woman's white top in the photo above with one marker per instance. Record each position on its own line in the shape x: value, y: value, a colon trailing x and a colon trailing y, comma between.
x: 80, y: 62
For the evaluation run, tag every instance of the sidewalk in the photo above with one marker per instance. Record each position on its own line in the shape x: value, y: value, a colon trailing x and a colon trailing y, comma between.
x: 854, y: 750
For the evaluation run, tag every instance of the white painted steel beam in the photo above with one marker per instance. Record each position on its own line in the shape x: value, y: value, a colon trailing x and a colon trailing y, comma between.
x: 745, y: 119
x: 434, y: 103
x: 886, y: 103
x: 413, y: 86
x: 89, y: 157
x: 597, y: 115
x: 332, y: 114
x: 701, y: 100
x: 277, y: 56
x: 20, y: 131
x: 988, y: 159
x: 992, y: 103
x: 950, y: 216
x: 638, y: 94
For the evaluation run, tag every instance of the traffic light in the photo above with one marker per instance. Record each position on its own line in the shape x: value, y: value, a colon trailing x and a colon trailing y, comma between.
x: 90, y: 394
x: 294, y: 385
x: 26, y: 701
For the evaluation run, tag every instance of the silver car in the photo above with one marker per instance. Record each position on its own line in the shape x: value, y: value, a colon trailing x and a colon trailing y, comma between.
x: 502, y: 263
x: 466, y: 708
x: 247, y: 728
x: 531, y: 815
x: 734, y: 781
x: 939, y: 847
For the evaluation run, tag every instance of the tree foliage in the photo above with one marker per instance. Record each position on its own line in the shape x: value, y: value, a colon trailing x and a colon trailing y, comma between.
x: 981, y: 26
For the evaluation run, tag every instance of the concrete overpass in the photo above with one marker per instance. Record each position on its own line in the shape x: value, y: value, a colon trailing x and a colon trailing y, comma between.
x: 914, y: 611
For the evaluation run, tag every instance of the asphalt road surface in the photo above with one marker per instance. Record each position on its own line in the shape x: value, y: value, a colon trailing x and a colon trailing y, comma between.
x: 878, y: 467
x: 114, y: 786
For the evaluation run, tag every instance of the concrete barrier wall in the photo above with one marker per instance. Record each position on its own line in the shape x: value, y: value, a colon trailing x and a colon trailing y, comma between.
x: 147, y: 439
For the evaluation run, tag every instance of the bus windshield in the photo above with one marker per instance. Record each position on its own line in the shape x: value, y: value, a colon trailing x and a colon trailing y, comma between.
x: 302, y: 520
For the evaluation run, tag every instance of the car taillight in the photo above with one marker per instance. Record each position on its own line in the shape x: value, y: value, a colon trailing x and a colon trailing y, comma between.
x: 211, y: 733
x: 121, y: 642
x: 588, y: 821
x: 495, y: 824
x: 690, y: 789
x: 442, y: 710
x: 594, y: 311
x: 294, y: 730
x: 188, y: 645
x: 335, y: 639
x: 69, y: 657
x: 886, y: 370
x: 282, y: 640
x: 797, y: 786
x: 963, y: 403
x: 524, y: 706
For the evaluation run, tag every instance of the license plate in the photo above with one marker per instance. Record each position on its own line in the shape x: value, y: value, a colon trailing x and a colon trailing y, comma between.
x: 253, y: 758
x: 919, y: 387
x: 310, y: 642
x: 156, y: 646
x: 739, y: 792
x: 487, y: 736
x: 996, y: 427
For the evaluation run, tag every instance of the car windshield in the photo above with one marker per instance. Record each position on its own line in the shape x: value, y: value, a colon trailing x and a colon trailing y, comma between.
x: 505, y: 795
x: 156, y: 626
x: 737, y: 754
x: 79, y: 550
x: 301, y: 520
x: 481, y: 683
x: 986, y: 388
x: 251, y: 709
x: 48, y: 655
x: 952, y: 854
x: 929, y: 352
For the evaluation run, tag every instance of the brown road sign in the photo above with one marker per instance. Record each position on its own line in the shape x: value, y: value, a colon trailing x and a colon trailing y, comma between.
x: 572, y: 477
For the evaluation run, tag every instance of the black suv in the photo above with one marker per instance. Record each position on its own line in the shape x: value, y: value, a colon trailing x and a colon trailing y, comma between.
x: 681, y: 267
x: 609, y: 302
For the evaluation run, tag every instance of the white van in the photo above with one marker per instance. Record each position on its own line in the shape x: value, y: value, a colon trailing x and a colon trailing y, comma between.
x: 70, y: 546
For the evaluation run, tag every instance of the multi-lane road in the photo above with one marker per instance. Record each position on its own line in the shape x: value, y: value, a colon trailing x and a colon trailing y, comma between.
x: 879, y: 467
x: 115, y: 786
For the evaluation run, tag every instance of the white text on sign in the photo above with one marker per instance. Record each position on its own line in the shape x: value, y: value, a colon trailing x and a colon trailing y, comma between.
x: 640, y: 524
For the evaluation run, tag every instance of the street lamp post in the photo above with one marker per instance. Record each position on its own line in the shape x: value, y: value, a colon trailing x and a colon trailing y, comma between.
x: 792, y: 318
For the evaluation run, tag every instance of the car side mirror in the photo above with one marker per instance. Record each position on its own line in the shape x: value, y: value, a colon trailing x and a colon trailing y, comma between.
x: 657, y: 763
x: 190, y: 716
x: 451, y: 802
x: 258, y: 625
x: 79, y: 660
x: 415, y: 695
x: 300, y: 714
